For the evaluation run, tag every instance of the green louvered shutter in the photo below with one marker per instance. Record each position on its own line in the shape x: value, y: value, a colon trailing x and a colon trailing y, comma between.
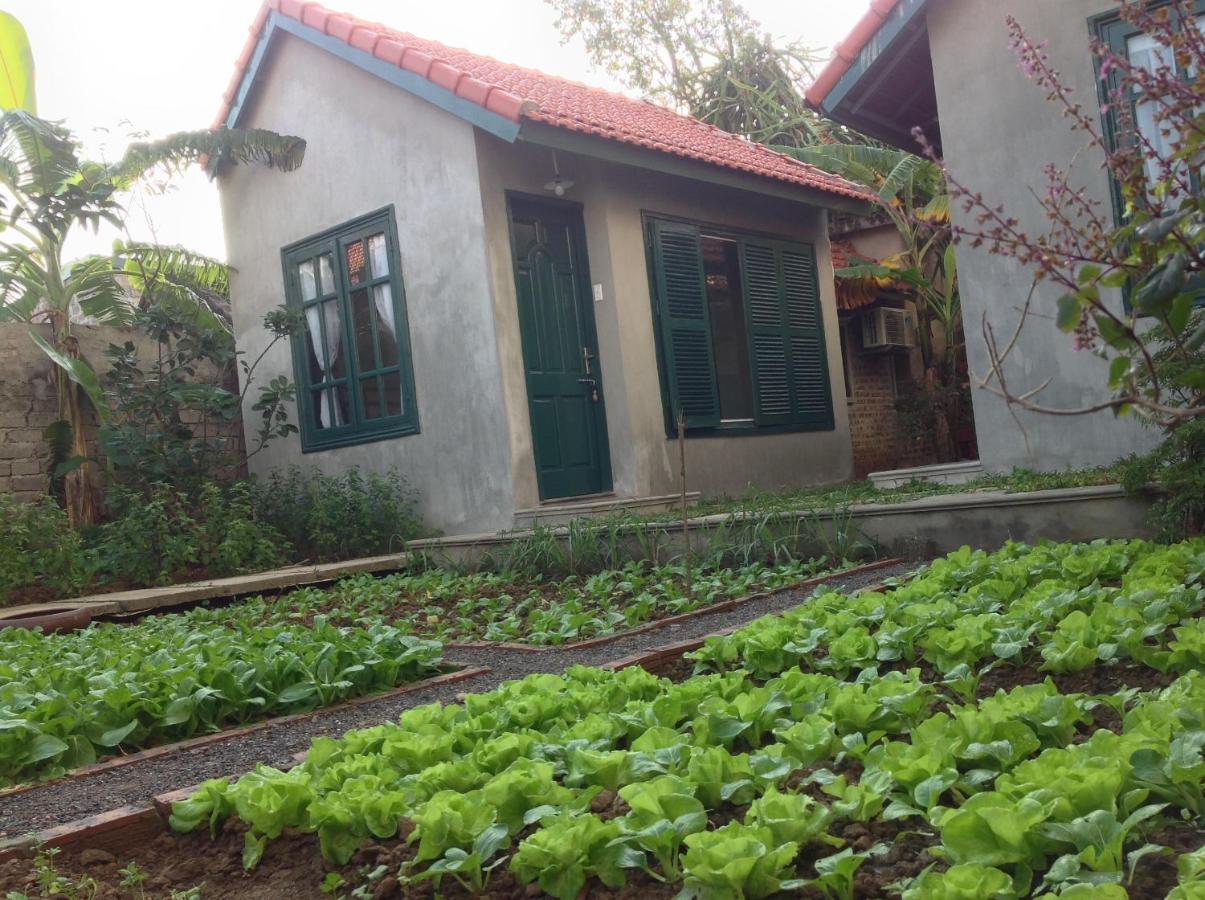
x: 786, y: 338
x: 812, y: 393
x: 768, y: 340
x: 684, y: 325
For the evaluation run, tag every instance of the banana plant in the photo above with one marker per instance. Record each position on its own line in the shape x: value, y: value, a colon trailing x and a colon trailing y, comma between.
x: 912, y: 193
x: 48, y: 189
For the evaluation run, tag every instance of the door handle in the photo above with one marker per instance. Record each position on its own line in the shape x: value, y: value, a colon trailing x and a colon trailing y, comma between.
x: 593, y: 385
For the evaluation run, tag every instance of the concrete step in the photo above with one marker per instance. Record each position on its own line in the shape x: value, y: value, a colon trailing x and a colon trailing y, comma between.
x: 941, y: 473
x: 558, y: 512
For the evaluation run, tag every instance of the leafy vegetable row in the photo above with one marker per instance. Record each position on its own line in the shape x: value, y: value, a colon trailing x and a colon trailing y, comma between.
x: 448, y: 606
x: 1062, y: 607
x: 67, y: 698
x: 509, y: 778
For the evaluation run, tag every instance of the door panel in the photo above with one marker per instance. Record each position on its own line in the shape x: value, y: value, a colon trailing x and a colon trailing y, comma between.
x: 556, y: 322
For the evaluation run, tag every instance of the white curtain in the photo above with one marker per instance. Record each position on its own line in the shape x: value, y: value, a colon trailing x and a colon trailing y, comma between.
x: 1144, y: 52
x: 326, y: 353
x: 382, y: 295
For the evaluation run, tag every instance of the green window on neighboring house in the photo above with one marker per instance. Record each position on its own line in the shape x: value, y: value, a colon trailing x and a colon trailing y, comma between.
x: 1128, y: 42
x: 739, y: 329
x: 352, y: 359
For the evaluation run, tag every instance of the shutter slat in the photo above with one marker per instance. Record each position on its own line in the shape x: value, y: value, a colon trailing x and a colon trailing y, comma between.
x: 684, y: 325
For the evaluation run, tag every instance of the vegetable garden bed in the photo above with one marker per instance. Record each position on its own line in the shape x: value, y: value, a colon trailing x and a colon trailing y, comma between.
x: 892, y: 741
x: 67, y: 700
x: 517, y: 610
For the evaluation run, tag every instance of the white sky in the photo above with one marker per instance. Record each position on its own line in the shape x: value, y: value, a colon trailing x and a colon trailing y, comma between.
x: 112, y: 67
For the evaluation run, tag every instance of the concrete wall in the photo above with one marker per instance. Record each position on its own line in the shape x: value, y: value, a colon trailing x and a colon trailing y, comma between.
x: 644, y: 461
x: 998, y: 132
x: 28, y: 401
x: 370, y: 145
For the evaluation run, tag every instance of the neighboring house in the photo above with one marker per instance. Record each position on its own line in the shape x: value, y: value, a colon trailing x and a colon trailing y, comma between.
x: 946, y: 66
x: 881, y: 360
x: 513, y: 282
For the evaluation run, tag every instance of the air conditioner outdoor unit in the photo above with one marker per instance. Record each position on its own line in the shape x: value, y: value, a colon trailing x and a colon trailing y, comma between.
x: 884, y: 329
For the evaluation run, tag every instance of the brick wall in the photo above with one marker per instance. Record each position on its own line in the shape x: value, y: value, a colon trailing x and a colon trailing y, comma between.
x: 28, y: 402
x: 880, y: 440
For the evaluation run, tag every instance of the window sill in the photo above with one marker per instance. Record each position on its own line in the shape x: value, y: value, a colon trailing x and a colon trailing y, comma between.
x: 359, y: 437
x: 741, y: 431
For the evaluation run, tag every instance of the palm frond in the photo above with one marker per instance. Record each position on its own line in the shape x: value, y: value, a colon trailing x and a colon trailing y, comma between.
x: 41, y: 154
x: 193, y: 285
x: 92, y: 283
x: 177, y: 151
x: 901, y: 177
x: 936, y: 210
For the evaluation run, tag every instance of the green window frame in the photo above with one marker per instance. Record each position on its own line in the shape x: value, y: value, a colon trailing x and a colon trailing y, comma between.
x: 1115, y: 33
x: 784, y: 326
x: 352, y: 360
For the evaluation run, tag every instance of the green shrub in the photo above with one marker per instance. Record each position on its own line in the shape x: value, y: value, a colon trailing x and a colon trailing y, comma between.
x: 333, y: 517
x: 1178, y: 466
x: 39, y: 548
x: 161, y: 535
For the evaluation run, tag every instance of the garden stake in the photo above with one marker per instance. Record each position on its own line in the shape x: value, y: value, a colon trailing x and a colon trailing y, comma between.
x: 690, y: 591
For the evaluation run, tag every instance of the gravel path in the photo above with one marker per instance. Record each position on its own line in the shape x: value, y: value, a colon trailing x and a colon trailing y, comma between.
x: 58, y: 802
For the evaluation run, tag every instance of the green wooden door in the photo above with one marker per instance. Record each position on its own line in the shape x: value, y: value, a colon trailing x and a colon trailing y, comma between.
x: 560, y: 349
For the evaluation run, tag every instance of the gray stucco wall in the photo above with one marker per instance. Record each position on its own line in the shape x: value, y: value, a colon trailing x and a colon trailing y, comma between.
x: 998, y: 132
x: 644, y: 461
x: 370, y: 145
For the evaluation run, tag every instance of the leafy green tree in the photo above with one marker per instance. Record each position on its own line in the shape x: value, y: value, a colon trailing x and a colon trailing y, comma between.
x: 706, y: 58
x: 47, y: 190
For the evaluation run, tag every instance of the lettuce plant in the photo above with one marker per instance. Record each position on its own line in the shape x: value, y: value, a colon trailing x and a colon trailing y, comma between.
x: 967, y: 881
x: 791, y: 818
x: 568, y: 850
x: 736, y: 862
x: 663, y: 812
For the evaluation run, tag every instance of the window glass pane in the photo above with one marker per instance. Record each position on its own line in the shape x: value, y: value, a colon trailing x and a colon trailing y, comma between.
x: 324, y: 347
x: 329, y: 406
x: 730, y: 344
x: 356, y: 271
x: 361, y: 322
x: 326, y: 274
x: 378, y: 255
x: 382, y: 297
x: 393, y: 393
x: 305, y: 274
x: 372, y: 400
x: 1144, y: 52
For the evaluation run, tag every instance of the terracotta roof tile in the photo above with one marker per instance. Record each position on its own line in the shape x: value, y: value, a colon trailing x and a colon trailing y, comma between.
x: 846, y: 52
x: 518, y: 93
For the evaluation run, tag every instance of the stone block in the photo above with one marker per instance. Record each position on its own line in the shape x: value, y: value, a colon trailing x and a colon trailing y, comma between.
x: 25, y: 467
x: 28, y: 483
x: 19, y: 450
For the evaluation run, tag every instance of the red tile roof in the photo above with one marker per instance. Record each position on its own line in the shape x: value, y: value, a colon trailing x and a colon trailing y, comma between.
x: 846, y: 52
x: 521, y: 94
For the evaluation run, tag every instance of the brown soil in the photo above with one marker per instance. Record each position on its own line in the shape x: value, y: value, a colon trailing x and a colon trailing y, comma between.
x: 1155, y: 876
x: 1096, y: 680
x: 676, y: 668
